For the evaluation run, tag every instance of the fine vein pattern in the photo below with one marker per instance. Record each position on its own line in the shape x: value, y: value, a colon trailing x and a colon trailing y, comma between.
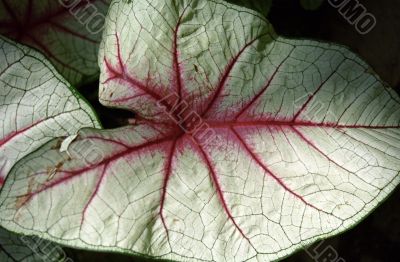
x: 303, y: 142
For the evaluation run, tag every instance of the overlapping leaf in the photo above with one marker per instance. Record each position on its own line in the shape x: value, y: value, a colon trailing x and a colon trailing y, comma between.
x: 28, y: 249
x: 68, y: 32
x: 36, y: 104
x: 247, y: 146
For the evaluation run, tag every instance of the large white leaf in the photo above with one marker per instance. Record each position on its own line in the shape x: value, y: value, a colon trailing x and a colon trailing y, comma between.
x: 36, y: 104
x: 302, y: 142
x: 68, y: 32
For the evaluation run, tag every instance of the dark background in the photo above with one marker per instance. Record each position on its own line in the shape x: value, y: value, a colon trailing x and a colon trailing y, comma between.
x: 377, y: 238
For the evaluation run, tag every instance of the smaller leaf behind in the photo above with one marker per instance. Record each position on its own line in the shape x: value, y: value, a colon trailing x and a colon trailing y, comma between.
x: 68, y: 33
x: 36, y: 104
x: 20, y: 248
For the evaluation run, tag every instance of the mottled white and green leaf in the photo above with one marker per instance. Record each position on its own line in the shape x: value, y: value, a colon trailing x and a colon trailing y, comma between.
x: 303, y: 142
x: 36, y: 104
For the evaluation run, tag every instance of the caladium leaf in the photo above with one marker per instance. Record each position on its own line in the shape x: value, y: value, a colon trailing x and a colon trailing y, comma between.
x: 36, y: 104
x: 247, y: 145
x: 68, y: 32
x: 28, y: 249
